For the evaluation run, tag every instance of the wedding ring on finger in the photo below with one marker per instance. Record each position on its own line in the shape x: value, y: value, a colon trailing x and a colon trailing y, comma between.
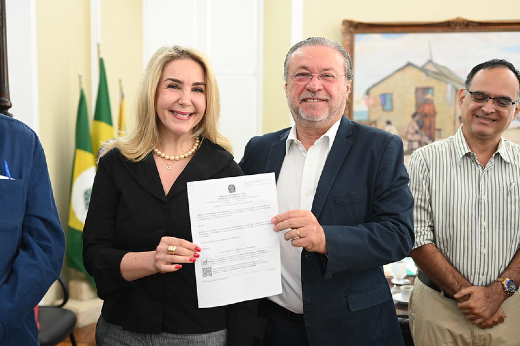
x: 298, y: 232
x: 171, y: 249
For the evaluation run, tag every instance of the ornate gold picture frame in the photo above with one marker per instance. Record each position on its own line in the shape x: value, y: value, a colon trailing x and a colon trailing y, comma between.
x: 404, y: 68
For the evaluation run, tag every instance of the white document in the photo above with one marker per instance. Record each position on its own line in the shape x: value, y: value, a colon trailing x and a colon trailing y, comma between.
x: 231, y: 222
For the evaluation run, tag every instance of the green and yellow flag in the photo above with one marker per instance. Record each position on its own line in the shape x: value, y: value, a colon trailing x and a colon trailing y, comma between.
x: 83, y: 172
x: 102, y: 128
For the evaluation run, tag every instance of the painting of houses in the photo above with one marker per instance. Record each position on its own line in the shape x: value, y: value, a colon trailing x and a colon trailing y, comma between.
x: 398, y: 74
x: 430, y: 89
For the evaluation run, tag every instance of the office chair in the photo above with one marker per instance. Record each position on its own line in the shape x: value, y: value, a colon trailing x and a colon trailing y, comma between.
x: 56, y: 323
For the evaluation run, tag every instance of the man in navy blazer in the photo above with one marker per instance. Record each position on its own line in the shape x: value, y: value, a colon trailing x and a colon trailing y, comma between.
x: 345, y: 209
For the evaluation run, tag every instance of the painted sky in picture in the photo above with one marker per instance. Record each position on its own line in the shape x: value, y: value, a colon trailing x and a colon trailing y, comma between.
x: 379, y: 55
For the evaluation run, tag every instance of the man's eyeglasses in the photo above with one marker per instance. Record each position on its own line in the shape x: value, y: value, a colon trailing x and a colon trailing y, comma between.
x: 305, y: 77
x: 499, y: 103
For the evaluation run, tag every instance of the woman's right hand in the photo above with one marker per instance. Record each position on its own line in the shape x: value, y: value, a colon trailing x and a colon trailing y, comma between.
x: 184, y: 252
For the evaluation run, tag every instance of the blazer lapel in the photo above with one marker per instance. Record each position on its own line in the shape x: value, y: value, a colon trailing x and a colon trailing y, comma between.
x: 145, y: 174
x: 276, y: 155
x: 335, y: 160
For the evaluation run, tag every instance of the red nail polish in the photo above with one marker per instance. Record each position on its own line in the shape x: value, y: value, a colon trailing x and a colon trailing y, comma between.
x: 196, y: 255
x: 178, y: 266
x: 198, y: 249
x: 192, y: 259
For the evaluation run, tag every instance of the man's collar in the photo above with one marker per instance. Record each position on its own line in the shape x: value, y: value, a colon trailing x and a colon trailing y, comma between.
x: 330, y: 134
x: 504, y: 149
x: 462, y: 147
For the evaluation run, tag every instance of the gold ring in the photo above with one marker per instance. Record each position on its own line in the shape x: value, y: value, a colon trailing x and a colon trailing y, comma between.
x: 171, y: 249
x: 298, y: 232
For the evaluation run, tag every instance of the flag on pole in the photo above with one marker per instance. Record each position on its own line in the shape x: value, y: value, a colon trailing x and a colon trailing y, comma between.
x: 122, y: 111
x: 83, y: 172
x: 102, y: 128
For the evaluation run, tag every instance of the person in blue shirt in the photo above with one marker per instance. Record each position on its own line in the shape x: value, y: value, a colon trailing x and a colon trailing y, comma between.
x: 32, y: 242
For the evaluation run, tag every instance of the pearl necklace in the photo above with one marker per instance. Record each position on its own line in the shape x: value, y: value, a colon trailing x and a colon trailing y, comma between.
x: 180, y: 157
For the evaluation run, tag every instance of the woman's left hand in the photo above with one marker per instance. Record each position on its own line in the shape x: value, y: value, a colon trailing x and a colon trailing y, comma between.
x: 171, y: 252
x: 135, y: 265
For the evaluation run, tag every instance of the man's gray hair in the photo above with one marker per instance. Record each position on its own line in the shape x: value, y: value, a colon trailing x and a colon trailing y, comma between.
x: 323, y: 42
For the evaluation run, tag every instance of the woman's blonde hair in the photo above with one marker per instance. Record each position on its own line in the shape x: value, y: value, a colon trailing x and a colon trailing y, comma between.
x: 143, y: 135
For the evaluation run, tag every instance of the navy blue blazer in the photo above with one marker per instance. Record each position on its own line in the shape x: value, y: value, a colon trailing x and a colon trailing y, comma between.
x: 366, y: 210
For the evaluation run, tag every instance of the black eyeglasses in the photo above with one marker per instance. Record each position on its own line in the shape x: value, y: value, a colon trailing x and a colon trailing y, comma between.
x: 499, y: 103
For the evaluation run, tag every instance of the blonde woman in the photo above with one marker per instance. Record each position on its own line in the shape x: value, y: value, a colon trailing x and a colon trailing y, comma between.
x: 137, y: 236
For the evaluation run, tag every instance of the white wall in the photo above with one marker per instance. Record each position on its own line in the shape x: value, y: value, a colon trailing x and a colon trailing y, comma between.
x: 22, y: 61
x: 229, y: 32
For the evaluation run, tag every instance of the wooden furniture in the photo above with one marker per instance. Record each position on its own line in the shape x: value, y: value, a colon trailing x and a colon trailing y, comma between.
x: 85, y: 336
x: 5, y: 102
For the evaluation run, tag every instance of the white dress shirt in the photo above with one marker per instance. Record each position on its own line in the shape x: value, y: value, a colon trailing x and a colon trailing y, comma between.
x: 296, y: 186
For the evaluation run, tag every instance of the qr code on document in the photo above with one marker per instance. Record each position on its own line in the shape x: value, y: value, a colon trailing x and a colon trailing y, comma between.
x: 206, y: 272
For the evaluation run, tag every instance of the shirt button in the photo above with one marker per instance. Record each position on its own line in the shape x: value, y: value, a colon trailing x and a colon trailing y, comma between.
x: 484, y: 224
x: 310, y: 164
x: 484, y: 251
x: 307, y: 193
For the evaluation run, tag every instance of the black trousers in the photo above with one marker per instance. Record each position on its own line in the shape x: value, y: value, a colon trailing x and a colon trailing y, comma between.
x: 285, y: 327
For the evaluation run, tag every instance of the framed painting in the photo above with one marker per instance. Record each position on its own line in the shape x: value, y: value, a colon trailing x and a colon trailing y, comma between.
x: 407, y: 75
